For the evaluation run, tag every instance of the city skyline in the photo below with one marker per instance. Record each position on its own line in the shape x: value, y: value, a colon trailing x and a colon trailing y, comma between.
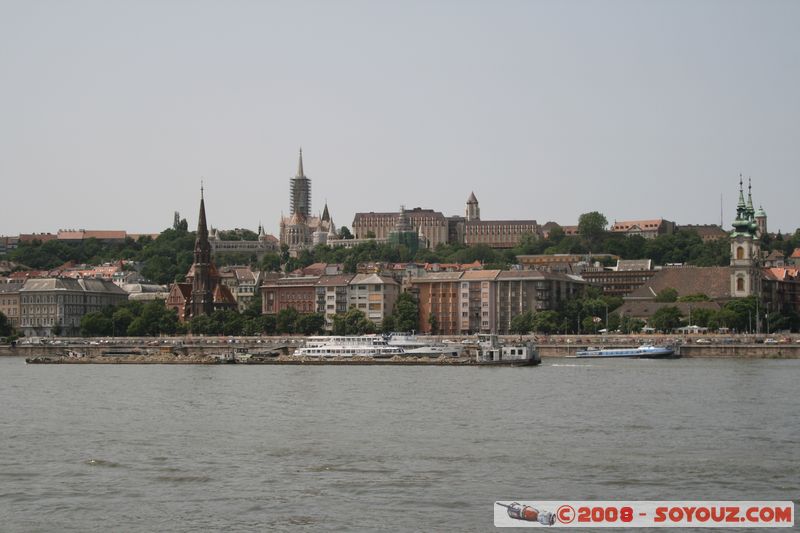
x: 114, y: 113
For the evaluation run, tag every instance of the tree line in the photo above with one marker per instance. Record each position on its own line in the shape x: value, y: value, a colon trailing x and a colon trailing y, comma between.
x: 168, y: 257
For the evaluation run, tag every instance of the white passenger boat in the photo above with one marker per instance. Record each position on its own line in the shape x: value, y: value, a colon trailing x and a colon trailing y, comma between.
x: 419, y: 345
x: 646, y: 351
x: 348, y: 346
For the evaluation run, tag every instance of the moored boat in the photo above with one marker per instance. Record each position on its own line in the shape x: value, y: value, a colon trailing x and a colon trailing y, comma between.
x: 492, y: 352
x: 645, y: 351
x: 418, y: 345
x: 348, y: 346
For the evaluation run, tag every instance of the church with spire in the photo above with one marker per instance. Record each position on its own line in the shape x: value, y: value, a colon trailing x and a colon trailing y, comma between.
x: 201, y: 293
x: 300, y: 229
x: 748, y: 227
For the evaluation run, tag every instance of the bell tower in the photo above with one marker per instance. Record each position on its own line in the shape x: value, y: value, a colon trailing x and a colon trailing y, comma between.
x: 202, y: 290
x: 745, y: 249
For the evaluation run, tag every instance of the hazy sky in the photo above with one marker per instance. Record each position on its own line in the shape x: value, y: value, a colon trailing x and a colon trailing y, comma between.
x: 111, y: 112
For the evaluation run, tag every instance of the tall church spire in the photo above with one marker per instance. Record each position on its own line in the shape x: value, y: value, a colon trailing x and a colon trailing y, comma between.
x: 300, y: 173
x: 202, y: 295
x: 741, y: 193
x: 300, y: 196
x: 202, y: 227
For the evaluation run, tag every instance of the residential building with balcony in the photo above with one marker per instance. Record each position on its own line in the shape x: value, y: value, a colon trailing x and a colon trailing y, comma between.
x: 374, y: 295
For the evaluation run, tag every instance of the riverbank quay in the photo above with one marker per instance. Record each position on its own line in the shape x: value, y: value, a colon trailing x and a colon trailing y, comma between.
x: 280, y: 360
x: 193, y: 350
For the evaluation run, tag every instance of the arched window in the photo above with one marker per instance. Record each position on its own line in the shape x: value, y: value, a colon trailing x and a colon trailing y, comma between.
x: 740, y: 252
x: 740, y: 284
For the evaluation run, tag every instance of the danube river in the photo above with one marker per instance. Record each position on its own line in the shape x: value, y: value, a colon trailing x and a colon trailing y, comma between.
x: 257, y: 448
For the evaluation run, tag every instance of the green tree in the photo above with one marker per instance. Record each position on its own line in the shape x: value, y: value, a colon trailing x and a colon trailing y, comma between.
x: 198, y: 325
x: 271, y: 262
x: 286, y: 320
x: 592, y: 226
x: 666, y: 319
x: 522, y: 324
x: 95, y: 324
x: 740, y: 314
x: 629, y: 325
x: 667, y: 295
x: 433, y: 322
x: 354, y: 322
x: 546, y: 322
x: 344, y: 233
x: 388, y: 324
x: 406, y: 312
x: 311, y: 323
x: 702, y: 317
x: 698, y: 297
x: 121, y: 320
x: 253, y: 308
x: 5, y: 326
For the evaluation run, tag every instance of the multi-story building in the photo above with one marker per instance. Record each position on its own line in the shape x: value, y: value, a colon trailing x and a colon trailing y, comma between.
x: 438, y: 294
x: 56, y: 306
x: 566, y: 263
x: 299, y: 293
x: 649, y: 229
x: 8, y: 243
x: 243, y: 283
x: 9, y: 302
x: 263, y: 245
x: 781, y: 289
x: 520, y: 291
x: 794, y: 258
x: 707, y: 232
x: 373, y: 294
x: 493, y: 233
x: 477, y: 296
x: 628, y: 276
x: 487, y: 301
x: 332, y: 296
x: 431, y: 224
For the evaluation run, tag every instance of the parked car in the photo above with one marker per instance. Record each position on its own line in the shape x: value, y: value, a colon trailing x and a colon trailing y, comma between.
x: 770, y: 341
x: 703, y: 341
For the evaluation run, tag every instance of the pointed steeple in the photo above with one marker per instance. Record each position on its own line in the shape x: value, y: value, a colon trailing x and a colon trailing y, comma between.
x: 300, y: 173
x: 750, y: 209
x: 741, y: 193
x: 325, y: 215
x: 202, y: 285
x: 202, y: 228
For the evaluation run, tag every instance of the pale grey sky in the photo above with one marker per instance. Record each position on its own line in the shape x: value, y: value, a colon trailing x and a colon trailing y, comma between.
x: 112, y: 111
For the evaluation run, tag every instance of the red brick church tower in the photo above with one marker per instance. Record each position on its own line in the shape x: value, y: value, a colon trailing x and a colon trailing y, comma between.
x: 202, y: 283
x: 202, y: 293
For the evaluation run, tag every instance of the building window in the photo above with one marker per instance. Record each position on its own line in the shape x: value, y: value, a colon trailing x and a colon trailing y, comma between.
x: 740, y: 283
x: 740, y: 252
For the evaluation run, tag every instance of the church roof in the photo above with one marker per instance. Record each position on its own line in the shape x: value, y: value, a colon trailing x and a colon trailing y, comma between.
x: 714, y: 282
x: 472, y: 199
x: 223, y: 295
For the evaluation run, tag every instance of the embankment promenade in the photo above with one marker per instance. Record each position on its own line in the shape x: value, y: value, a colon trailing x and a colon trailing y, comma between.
x: 165, y: 348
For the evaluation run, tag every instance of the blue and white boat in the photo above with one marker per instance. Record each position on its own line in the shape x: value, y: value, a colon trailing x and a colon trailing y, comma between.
x: 647, y: 351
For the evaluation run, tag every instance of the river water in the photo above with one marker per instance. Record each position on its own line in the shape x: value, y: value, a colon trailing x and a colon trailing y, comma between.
x: 274, y: 448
